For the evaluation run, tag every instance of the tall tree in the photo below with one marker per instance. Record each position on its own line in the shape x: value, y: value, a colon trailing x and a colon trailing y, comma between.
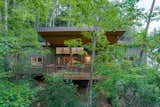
x: 146, y: 30
x: 100, y: 16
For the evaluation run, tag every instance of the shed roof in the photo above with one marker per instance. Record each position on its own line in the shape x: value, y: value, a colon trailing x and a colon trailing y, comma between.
x: 57, y: 35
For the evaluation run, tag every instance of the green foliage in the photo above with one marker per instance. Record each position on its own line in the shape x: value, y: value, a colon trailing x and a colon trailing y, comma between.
x: 154, y: 48
x: 12, y: 95
x: 104, y: 14
x: 13, y: 51
x: 17, y: 43
x: 6, y: 75
x: 126, y: 81
x: 138, y: 86
x: 20, y: 39
x: 73, y: 43
x: 60, y: 93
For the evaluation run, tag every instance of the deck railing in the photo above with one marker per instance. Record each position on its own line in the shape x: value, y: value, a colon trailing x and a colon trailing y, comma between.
x: 68, y: 68
x: 52, y: 68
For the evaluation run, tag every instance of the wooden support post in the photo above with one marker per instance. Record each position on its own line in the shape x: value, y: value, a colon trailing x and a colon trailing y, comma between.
x: 47, y: 58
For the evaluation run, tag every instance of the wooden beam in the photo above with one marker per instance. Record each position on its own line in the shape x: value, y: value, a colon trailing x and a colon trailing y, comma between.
x: 78, y: 76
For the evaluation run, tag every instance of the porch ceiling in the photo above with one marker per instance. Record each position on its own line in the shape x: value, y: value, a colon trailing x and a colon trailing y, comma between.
x: 58, y: 35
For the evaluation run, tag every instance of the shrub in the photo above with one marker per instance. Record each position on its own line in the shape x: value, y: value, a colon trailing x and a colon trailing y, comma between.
x: 60, y: 93
x: 137, y: 86
x: 12, y: 95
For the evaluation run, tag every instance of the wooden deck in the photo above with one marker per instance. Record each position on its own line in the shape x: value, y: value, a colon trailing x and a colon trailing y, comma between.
x: 77, y: 75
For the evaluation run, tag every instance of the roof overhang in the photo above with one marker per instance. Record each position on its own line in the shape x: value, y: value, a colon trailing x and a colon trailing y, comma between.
x: 58, y: 35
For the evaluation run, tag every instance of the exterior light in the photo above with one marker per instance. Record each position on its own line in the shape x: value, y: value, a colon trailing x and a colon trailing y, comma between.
x: 87, y: 59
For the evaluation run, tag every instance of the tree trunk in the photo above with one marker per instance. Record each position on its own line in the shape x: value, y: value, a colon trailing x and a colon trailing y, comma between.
x: 14, y: 3
x: 52, y: 18
x: 146, y: 31
x: 149, y: 17
x: 0, y: 16
x: 94, y: 42
x: 5, y: 14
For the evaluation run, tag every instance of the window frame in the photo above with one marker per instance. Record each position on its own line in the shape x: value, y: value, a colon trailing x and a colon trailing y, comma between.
x: 37, y: 63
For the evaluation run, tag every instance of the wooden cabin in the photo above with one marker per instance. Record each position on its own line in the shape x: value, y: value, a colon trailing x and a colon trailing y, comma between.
x: 58, y: 60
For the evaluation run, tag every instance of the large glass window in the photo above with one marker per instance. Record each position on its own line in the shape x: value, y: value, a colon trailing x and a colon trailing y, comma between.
x: 66, y: 50
x: 63, y: 55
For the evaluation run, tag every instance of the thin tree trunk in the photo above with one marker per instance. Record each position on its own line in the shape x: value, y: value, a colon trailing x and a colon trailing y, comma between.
x: 50, y: 22
x: 0, y: 16
x: 47, y: 20
x: 52, y: 18
x: 94, y: 42
x: 69, y: 22
x: 14, y: 3
x: 5, y: 14
x: 146, y: 30
x: 149, y: 17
